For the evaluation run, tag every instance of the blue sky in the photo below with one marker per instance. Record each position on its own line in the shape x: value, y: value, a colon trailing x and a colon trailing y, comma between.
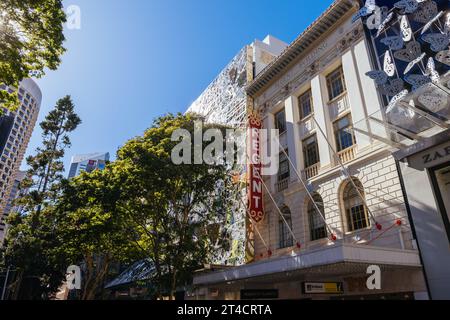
x: 135, y: 60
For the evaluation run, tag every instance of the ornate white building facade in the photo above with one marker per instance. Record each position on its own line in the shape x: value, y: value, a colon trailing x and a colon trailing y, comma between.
x: 336, y: 206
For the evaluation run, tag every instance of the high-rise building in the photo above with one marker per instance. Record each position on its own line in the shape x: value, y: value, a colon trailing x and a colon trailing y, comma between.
x: 224, y: 102
x: 15, y: 193
x: 15, y: 133
x: 88, y: 163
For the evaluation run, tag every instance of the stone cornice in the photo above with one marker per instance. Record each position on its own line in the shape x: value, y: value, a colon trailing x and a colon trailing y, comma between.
x: 308, y: 68
x: 329, y: 19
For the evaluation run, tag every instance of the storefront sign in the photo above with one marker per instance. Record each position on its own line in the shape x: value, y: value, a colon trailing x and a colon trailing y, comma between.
x: 259, y: 294
x: 436, y: 155
x: 255, y: 186
x: 323, y: 288
x: 431, y: 157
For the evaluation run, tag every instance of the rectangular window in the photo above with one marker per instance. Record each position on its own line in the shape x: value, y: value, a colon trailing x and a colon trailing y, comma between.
x: 280, y: 121
x: 336, y: 83
x: 358, y: 218
x: 305, y: 104
x: 286, y: 240
x: 283, y: 171
x: 311, y: 151
x: 343, y: 130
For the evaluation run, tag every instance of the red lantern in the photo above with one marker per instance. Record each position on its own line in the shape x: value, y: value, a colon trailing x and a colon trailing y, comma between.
x: 299, y: 246
x: 333, y: 237
x: 379, y: 226
x: 399, y: 222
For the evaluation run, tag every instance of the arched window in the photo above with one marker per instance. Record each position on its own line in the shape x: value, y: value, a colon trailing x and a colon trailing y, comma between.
x: 317, y: 227
x: 355, y: 210
x: 285, y: 235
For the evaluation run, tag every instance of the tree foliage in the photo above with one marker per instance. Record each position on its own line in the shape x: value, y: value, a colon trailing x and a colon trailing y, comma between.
x: 177, y: 209
x: 140, y: 207
x: 31, y: 239
x: 31, y: 39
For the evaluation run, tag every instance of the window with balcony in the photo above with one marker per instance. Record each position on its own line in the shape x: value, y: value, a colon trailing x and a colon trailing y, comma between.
x: 336, y: 83
x: 280, y: 121
x: 343, y: 131
x: 305, y: 104
x: 356, y: 212
x: 285, y: 225
x: 311, y: 151
x: 317, y: 227
x: 311, y: 157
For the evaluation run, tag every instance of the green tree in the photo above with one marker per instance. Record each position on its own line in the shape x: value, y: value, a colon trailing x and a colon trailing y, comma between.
x: 31, y: 39
x: 31, y: 240
x: 90, y: 229
x: 176, y: 209
x: 46, y: 166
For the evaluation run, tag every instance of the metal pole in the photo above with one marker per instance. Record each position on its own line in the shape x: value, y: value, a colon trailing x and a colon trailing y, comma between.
x: 346, y: 171
x: 5, y: 283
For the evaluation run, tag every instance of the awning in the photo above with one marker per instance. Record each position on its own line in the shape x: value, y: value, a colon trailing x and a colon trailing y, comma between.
x: 338, y: 258
x: 140, y: 271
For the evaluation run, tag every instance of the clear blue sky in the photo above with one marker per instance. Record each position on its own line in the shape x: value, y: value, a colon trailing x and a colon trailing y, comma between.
x: 135, y: 60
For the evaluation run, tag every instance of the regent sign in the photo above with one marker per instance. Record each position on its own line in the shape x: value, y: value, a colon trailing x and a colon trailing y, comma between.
x: 255, y: 187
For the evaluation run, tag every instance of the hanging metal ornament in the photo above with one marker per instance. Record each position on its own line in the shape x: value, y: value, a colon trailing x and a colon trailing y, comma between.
x: 408, y: 6
x: 380, y: 77
x: 431, y: 22
x: 447, y: 23
x: 417, y: 80
x: 396, y: 99
x: 394, y: 42
x: 431, y: 71
x: 434, y: 99
x: 437, y: 41
x: 444, y: 57
x: 427, y: 11
x: 368, y: 8
x: 384, y: 23
x: 375, y: 20
x: 393, y: 88
x: 410, y: 53
x: 405, y: 29
x: 388, y: 66
x: 414, y: 62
